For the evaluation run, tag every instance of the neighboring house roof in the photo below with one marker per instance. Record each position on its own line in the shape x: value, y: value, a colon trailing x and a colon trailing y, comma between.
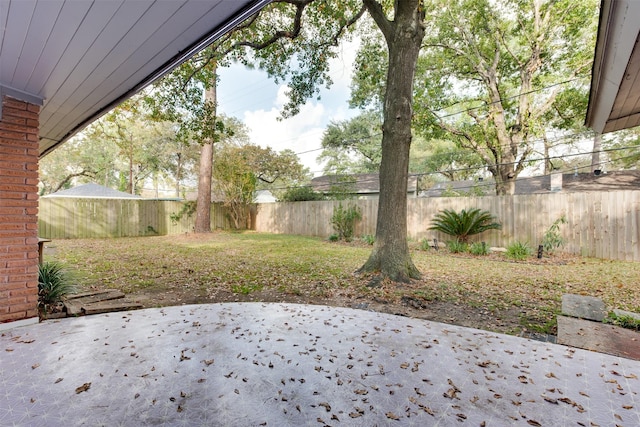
x: 79, y: 59
x: 614, y: 100
x: 571, y: 182
x: 363, y: 183
x: 93, y: 191
x: 264, y: 196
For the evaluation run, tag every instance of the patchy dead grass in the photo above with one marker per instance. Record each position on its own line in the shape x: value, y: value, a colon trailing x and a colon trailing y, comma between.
x: 487, y: 292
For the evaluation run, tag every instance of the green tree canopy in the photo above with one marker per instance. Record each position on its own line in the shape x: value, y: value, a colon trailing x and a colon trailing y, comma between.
x: 241, y: 169
x: 353, y: 146
x: 496, y: 76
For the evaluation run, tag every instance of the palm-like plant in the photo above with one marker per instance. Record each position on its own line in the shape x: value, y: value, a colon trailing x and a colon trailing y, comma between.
x: 464, y: 224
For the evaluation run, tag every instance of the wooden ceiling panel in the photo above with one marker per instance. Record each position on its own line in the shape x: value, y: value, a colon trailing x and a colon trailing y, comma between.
x: 82, y: 57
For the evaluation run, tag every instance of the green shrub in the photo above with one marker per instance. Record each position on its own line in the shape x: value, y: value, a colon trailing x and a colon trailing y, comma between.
x: 301, y: 194
x: 552, y: 239
x: 456, y: 247
x: 344, y: 221
x: 464, y: 224
x: 369, y: 239
x: 425, y: 244
x: 53, y: 283
x: 519, y: 251
x: 479, y: 248
x: 334, y: 238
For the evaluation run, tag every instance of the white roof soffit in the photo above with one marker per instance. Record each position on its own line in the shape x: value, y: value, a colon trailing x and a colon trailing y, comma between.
x: 614, y: 100
x: 80, y: 58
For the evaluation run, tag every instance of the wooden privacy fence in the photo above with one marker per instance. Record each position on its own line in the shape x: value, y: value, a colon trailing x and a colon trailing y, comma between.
x: 78, y: 218
x: 599, y: 224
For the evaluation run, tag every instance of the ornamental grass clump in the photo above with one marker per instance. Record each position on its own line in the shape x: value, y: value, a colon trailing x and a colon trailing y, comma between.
x: 519, y: 251
x: 465, y: 223
x: 53, y: 283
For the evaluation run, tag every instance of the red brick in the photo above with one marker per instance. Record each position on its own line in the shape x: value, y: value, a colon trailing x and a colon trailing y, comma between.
x: 25, y: 292
x: 22, y: 172
x: 16, y: 127
x: 21, y: 278
x: 24, y: 307
x: 10, y: 210
x: 14, y: 241
x: 11, y: 226
x: 12, y: 120
x: 10, y: 102
x: 13, y: 135
x: 15, y: 180
x: 5, y: 149
x: 19, y: 263
x: 24, y: 204
x: 8, y: 317
x: 20, y: 113
x: 17, y: 158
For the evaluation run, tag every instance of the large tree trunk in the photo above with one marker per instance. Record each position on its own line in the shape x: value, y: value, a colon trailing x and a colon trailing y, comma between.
x: 203, y: 206
x: 390, y: 256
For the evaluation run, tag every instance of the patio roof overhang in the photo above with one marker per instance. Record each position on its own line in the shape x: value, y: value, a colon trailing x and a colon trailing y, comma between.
x: 80, y: 58
x: 614, y: 100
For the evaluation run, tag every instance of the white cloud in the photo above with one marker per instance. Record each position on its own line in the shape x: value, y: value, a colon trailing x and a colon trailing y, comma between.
x: 255, y: 99
x: 300, y: 133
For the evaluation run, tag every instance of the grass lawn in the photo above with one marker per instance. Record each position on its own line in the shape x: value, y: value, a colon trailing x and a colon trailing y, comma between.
x: 486, y: 292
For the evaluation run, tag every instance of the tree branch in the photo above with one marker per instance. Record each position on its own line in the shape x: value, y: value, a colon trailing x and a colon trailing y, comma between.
x: 377, y: 13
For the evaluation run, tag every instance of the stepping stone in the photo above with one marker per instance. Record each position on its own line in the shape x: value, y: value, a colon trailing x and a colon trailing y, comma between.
x: 110, y: 306
x: 583, y: 307
x: 75, y: 304
x: 599, y: 337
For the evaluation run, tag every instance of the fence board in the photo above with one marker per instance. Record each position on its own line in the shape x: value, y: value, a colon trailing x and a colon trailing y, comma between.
x: 600, y: 224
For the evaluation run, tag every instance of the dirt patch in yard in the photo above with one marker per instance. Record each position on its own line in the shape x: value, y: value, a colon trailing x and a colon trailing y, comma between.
x: 485, y: 292
x: 507, y: 320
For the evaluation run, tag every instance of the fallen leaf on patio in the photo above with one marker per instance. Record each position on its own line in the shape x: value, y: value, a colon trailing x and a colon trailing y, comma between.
x: 533, y: 423
x: 392, y: 416
x: 325, y: 405
x: 83, y: 387
x: 35, y: 366
x: 57, y: 381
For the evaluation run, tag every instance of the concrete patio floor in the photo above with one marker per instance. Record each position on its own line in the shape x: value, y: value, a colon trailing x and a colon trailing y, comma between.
x: 254, y: 364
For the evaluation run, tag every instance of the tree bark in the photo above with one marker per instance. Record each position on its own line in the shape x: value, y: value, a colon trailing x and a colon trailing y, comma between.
x: 390, y: 257
x: 203, y: 205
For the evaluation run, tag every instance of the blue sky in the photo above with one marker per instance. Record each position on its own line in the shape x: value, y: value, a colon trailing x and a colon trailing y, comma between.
x: 256, y: 100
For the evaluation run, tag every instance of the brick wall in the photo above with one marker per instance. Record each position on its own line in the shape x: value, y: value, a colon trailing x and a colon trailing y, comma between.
x: 18, y: 210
